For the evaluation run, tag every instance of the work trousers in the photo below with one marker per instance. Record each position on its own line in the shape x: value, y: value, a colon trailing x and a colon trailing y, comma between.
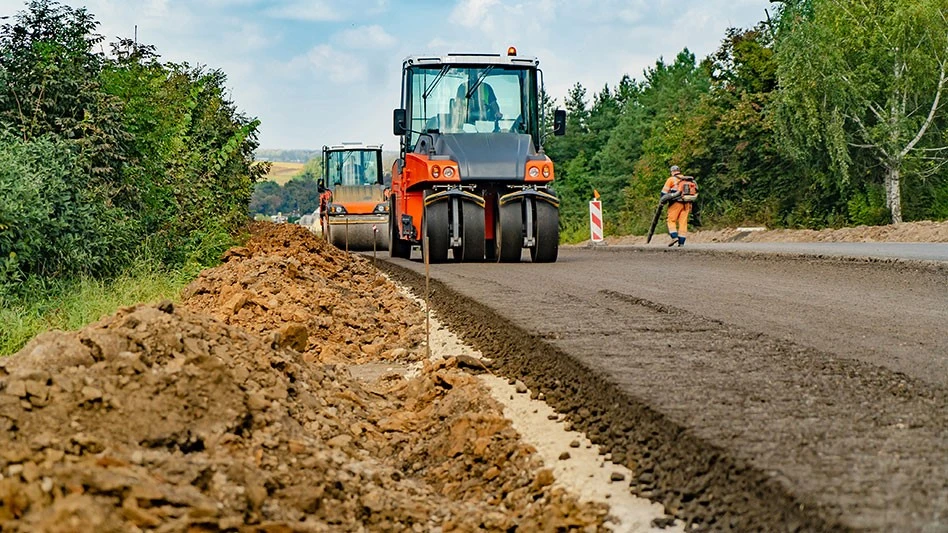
x: 678, y: 217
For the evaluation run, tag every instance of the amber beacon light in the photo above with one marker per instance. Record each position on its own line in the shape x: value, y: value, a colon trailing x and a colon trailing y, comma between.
x: 511, y: 51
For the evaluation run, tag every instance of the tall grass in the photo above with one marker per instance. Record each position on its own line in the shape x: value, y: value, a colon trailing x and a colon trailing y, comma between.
x: 70, y: 305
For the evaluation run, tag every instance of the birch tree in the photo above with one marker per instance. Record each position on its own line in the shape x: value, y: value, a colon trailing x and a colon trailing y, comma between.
x: 865, y: 78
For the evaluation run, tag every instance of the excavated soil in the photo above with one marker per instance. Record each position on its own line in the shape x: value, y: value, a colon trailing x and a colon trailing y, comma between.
x: 327, y: 305
x: 236, y: 411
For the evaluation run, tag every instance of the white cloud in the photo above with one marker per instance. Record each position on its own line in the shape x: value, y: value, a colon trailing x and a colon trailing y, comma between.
x: 325, y: 10
x: 634, y: 13
x: 338, y: 67
x: 321, y: 71
x: 475, y: 14
x: 366, y: 37
x: 308, y: 10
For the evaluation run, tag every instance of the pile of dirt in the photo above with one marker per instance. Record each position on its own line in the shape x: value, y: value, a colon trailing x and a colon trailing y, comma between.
x: 925, y: 231
x: 330, y: 306
x: 164, y: 419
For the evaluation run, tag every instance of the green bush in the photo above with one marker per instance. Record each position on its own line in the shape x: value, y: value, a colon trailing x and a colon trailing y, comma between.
x: 111, y: 159
x: 867, y: 207
x: 50, y: 223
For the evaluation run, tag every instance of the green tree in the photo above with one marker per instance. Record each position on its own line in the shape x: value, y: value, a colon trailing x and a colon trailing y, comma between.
x: 142, y: 158
x: 51, y: 85
x: 651, y: 129
x: 570, y: 153
x: 192, y: 151
x: 573, y: 142
x: 729, y: 139
x: 865, y: 78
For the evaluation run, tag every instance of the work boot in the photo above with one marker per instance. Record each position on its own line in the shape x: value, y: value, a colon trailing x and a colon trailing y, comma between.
x: 681, y: 241
x: 673, y: 242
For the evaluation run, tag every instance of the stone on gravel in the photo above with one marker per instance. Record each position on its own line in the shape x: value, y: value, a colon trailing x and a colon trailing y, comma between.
x: 342, y: 302
x: 189, y: 418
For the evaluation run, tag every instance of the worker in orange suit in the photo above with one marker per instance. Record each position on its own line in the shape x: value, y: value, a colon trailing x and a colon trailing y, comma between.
x: 679, y: 192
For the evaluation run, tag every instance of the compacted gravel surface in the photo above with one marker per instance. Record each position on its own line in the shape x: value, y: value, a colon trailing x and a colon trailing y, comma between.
x: 748, y: 392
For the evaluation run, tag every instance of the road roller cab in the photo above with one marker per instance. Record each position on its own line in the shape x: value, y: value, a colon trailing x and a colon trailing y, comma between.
x: 353, y: 198
x: 471, y: 179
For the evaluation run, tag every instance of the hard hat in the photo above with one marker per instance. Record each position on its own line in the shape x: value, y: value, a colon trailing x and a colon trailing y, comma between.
x: 675, y: 168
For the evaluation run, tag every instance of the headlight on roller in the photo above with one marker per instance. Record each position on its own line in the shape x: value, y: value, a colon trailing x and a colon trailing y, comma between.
x: 336, y: 209
x: 546, y: 171
x: 449, y: 172
x: 381, y: 208
x: 534, y: 172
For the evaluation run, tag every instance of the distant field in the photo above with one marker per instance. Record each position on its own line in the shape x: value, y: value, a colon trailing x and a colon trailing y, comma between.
x: 282, y: 172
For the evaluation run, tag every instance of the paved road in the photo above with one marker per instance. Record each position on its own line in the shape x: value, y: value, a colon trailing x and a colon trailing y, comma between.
x: 829, y: 378
x: 887, y: 316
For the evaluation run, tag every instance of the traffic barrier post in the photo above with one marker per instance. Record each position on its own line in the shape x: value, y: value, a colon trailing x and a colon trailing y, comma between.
x: 595, y: 222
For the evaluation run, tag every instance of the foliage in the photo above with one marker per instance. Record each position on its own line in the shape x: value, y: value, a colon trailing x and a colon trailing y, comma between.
x: 868, y: 207
x: 299, y: 196
x: 770, y: 124
x: 51, y: 223
x: 863, y: 82
x: 110, y: 157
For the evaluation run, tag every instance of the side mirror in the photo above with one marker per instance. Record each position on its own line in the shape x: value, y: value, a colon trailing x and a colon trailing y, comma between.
x: 399, y: 117
x: 559, y: 122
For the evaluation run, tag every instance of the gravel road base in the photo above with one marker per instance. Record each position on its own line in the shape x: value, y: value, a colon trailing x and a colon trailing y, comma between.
x: 729, y: 429
x: 578, y: 465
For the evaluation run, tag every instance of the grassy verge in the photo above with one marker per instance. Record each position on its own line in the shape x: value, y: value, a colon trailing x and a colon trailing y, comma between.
x: 70, y: 305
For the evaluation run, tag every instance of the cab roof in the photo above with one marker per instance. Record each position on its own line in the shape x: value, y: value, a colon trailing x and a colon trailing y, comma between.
x: 471, y: 59
x: 351, y: 146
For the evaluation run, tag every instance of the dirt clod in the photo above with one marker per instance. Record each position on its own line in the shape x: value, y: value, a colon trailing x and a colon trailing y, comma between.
x: 236, y: 410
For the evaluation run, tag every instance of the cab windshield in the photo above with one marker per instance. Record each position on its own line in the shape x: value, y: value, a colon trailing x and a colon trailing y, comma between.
x: 353, y: 167
x: 480, y: 99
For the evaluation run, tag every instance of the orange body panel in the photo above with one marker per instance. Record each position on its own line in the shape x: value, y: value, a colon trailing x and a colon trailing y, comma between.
x: 408, y: 187
x: 419, y: 169
x: 357, y: 199
x: 540, y: 166
x: 359, y: 208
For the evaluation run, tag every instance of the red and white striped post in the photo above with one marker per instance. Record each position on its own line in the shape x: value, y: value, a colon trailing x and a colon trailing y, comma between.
x: 595, y: 220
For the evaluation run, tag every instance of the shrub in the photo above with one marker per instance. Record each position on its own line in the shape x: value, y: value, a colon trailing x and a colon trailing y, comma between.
x: 51, y: 224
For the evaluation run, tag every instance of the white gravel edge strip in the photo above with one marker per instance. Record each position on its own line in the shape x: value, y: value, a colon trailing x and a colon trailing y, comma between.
x: 585, y: 473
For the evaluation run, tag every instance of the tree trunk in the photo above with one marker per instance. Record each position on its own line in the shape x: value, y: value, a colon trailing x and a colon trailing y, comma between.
x: 893, y: 190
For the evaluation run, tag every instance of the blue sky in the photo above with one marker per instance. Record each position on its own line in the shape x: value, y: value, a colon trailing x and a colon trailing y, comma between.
x: 325, y: 71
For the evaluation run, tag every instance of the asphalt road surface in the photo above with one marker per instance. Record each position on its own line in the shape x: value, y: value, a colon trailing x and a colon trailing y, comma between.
x: 747, y: 391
